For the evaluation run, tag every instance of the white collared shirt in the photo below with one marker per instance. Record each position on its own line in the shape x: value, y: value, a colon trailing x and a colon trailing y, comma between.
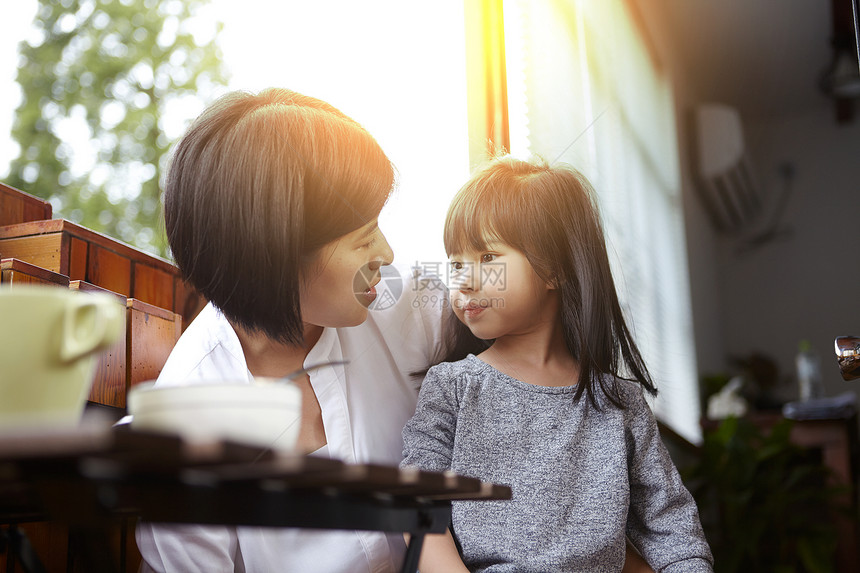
x: 364, y: 404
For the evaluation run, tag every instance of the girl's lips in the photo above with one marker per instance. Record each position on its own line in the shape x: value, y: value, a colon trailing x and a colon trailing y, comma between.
x: 473, y: 309
x: 472, y: 312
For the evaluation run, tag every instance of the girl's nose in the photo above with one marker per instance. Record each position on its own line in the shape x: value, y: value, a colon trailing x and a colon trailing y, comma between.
x: 464, y: 279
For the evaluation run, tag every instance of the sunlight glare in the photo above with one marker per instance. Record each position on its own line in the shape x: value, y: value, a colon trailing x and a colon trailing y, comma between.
x: 398, y: 68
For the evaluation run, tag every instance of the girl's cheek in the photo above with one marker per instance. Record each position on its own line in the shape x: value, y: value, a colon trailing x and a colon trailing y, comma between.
x: 454, y: 299
x: 457, y: 305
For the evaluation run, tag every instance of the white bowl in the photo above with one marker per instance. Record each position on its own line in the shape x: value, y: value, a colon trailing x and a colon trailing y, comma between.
x: 265, y: 414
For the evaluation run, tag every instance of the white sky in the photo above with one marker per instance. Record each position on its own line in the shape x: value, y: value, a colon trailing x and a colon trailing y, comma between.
x: 396, y: 67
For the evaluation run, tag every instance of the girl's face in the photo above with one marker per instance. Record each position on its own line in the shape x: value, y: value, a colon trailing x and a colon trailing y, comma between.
x: 342, y: 279
x: 496, y: 292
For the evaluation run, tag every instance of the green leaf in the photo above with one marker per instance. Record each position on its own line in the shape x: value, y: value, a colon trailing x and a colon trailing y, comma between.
x: 764, y: 501
x: 104, y: 64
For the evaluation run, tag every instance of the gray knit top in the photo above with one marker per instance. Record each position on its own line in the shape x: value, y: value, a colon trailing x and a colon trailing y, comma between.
x: 582, y: 478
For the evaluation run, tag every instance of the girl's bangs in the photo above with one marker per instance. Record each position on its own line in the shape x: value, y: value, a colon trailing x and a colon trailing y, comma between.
x: 478, y: 217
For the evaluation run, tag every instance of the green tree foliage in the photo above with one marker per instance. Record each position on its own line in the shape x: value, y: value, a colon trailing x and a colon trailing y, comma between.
x: 111, y: 71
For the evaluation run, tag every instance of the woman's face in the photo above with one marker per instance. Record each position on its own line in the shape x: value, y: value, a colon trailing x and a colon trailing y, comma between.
x: 340, y: 286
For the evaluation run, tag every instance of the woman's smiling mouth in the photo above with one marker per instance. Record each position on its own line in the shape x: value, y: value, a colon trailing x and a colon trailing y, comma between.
x: 364, y: 285
x: 370, y: 293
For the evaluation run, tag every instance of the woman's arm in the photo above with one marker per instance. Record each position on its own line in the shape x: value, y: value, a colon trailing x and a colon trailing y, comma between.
x: 439, y: 554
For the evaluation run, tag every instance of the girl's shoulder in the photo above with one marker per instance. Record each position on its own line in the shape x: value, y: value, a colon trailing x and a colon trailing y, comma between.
x: 630, y: 389
x: 629, y: 392
x: 467, y: 366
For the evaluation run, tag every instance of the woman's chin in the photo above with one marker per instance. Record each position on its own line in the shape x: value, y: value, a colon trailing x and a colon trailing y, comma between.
x: 360, y: 317
x: 354, y: 318
x: 355, y: 315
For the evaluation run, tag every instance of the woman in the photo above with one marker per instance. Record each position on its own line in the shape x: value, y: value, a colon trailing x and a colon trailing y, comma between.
x: 271, y: 206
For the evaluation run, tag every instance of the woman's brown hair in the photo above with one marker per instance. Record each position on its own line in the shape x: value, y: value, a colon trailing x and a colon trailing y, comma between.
x: 255, y: 187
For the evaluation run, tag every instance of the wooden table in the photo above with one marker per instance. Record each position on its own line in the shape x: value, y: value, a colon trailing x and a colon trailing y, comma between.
x: 89, y: 475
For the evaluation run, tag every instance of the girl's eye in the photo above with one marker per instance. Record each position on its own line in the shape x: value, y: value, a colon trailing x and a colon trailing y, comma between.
x: 488, y: 258
x: 368, y: 244
x: 456, y: 265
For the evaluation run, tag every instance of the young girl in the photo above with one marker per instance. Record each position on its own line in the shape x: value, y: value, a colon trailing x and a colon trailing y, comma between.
x: 546, y: 394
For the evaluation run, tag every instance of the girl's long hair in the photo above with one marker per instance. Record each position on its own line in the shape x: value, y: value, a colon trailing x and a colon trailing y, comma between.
x: 550, y: 214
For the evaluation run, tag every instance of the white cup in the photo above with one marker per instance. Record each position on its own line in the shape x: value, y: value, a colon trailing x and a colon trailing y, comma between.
x: 49, y: 340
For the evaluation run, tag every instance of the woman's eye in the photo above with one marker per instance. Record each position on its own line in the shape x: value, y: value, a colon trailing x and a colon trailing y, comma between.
x: 456, y: 266
x: 368, y: 244
x: 488, y: 258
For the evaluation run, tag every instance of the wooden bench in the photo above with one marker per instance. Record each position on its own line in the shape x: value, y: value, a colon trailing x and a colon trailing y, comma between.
x: 110, y: 383
x: 63, y: 247
x: 18, y: 272
x: 19, y: 207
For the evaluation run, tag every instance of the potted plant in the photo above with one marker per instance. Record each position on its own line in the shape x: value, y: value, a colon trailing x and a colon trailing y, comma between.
x: 764, y: 502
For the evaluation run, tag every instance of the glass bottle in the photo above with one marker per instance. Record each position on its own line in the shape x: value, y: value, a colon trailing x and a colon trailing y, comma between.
x: 808, y: 373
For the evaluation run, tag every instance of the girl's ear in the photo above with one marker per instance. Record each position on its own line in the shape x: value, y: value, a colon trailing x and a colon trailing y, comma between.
x: 551, y: 281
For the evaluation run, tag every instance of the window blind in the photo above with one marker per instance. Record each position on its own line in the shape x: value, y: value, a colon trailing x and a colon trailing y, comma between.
x: 584, y: 90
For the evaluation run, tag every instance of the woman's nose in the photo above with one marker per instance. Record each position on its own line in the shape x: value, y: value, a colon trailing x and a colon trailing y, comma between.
x: 384, y: 254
